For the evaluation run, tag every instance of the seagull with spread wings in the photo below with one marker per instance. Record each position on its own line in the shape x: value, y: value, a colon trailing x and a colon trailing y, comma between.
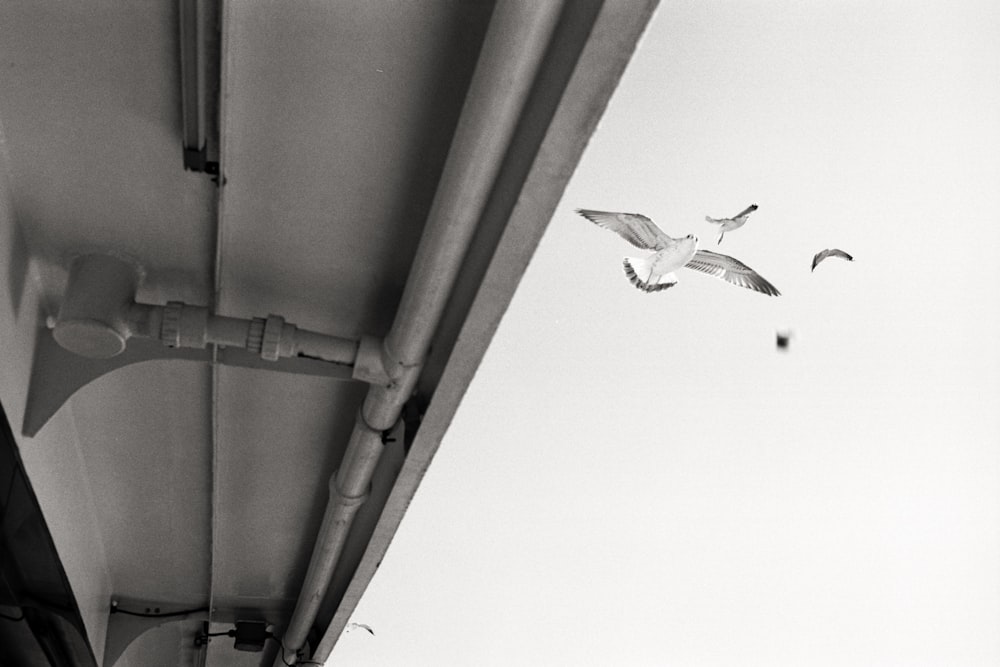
x: 829, y: 252
x: 735, y: 222
x: 656, y: 272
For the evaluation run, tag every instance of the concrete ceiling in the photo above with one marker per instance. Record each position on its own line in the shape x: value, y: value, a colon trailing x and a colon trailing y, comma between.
x: 183, y: 483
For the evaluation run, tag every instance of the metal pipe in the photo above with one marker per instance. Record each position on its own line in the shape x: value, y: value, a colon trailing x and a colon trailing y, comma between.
x: 195, y: 326
x: 228, y: 331
x: 98, y: 315
x: 518, y: 35
x: 515, y: 43
x: 327, y: 348
x: 145, y: 321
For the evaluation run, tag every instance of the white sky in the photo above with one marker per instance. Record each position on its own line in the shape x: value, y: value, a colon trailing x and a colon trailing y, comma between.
x: 643, y: 479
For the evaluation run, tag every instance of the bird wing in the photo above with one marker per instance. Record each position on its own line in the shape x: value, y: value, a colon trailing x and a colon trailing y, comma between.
x: 830, y: 252
x: 741, y: 216
x: 745, y: 212
x: 731, y: 270
x: 637, y: 229
x: 351, y: 626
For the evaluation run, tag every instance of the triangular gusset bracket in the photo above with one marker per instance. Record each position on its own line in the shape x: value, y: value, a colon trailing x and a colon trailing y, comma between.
x: 57, y: 374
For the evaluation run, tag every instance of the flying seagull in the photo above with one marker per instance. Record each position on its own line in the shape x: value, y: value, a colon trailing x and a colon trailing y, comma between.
x: 829, y: 252
x: 355, y: 626
x: 782, y: 339
x: 735, y: 222
x: 656, y: 272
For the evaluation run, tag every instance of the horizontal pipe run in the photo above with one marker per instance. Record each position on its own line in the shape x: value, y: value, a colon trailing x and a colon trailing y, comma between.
x: 181, y: 325
x: 98, y: 315
x: 228, y: 331
x: 327, y: 348
x: 145, y: 321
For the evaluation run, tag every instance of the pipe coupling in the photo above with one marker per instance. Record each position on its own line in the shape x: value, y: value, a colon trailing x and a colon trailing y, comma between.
x: 279, y: 339
x: 184, y: 325
x: 255, y: 336
x: 369, y: 365
x: 346, y: 501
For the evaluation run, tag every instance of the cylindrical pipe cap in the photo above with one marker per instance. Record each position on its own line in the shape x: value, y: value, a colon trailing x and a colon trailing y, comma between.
x: 93, y: 318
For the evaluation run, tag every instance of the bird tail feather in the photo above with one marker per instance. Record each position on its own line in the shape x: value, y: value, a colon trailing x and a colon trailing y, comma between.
x: 638, y: 272
x: 713, y: 220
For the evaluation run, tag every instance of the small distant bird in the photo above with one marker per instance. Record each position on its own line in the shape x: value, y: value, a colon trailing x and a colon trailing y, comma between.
x: 829, y: 252
x: 355, y: 626
x: 782, y: 339
x: 735, y: 222
x: 656, y: 272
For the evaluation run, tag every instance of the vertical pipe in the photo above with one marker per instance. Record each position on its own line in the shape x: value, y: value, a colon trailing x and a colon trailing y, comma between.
x: 518, y: 35
x: 515, y: 43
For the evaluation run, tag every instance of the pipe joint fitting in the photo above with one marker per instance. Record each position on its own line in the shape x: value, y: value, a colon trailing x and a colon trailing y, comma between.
x: 278, y: 340
x: 93, y: 317
x: 346, y: 501
x: 184, y: 325
x: 271, y: 338
x: 255, y: 335
x: 362, y: 423
x: 383, y: 404
x: 369, y: 365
